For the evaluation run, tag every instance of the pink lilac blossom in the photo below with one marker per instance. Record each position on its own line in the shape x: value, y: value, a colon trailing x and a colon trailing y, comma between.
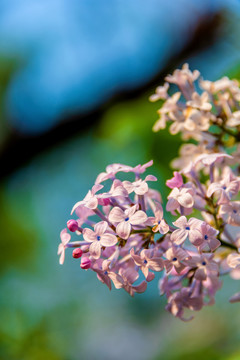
x: 129, y: 240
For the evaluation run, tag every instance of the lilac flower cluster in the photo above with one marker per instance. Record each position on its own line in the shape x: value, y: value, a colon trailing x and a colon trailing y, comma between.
x: 125, y: 237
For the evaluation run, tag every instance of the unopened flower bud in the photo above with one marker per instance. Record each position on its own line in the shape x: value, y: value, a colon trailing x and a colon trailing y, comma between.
x: 72, y: 225
x: 104, y: 201
x: 85, y: 263
x: 77, y: 253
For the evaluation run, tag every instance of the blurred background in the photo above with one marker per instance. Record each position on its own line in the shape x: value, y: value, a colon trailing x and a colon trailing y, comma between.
x: 75, y: 77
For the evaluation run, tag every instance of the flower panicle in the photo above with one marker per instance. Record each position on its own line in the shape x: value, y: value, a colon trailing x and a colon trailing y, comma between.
x: 128, y: 237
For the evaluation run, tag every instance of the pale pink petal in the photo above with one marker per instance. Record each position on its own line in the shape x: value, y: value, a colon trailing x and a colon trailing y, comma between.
x: 60, y: 248
x: 130, y: 211
x: 181, y: 254
x: 108, y: 240
x: 214, y: 244
x: 163, y: 227
x: 150, y: 276
x: 141, y: 189
x: 158, y: 211
x: 179, y: 267
x: 137, y: 259
x: 123, y: 229
x: 195, y: 237
x: 116, y: 215
x: 224, y: 198
x: 186, y: 200
x: 79, y: 203
x: 92, y: 203
x: 100, y: 227
x: 102, y: 177
x: 89, y: 235
x: 96, y: 188
x: 138, y: 218
x: 131, y: 275
x: 233, y: 188
x: 139, y: 169
x: 212, y: 188
x: 172, y: 204
x: 233, y: 260
x: 179, y: 236
x: 61, y: 252
x: 147, y: 253
x: 65, y: 236
x: 200, y: 274
x: 156, y: 264
x: 145, y: 271
x: 150, y: 178
x: 95, y: 249
x: 117, y: 189
x: 180, y: 222
x: 104, y: 279
x: 116, y: 279
x: 168, y: 265
x: 128, y: 186
x: 140, y: 288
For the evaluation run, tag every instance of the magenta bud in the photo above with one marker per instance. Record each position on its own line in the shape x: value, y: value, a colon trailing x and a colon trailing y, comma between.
x: 72, y: 225
x: 104, y: 202
x: 85, y: 263
x: 77, y: 253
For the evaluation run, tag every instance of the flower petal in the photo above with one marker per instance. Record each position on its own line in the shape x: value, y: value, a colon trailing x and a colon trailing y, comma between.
x: 123, y: 229
x: 128, y: 186
x: 141, y: 287
x: 116, y: 215
x: 89, y: 235
x: 108, y: 240
x: 156, y: 264
x: 186, y: 200
x: 65, y: 236
x: 100, y: 227
x: 180, y: 222
x: 138, y: 218
x: 200, y: 274
x: 179, y: 236
x: 137, y: 259
x: 95, y: 249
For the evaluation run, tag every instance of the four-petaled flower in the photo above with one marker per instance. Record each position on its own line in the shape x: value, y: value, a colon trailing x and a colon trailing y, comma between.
x: 182, y: 197
x: 159, y: 224
x: 98, y: 238
x: 175, y: 257
x: 148, y: 259
x: 187, y: 228
x: 126, y: 219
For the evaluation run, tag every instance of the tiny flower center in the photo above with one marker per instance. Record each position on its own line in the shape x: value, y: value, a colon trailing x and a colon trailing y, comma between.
x: 105, y: 272
x: 127, y: 218
x: 159, y: 222
x: 205, y: 237
x: 187, y: 228
x: 98, y: 238
x: 204, y: 263
x: 235, y: 211
x: 174, y: 259
x: 224, y: 187
x: 145, y: 261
